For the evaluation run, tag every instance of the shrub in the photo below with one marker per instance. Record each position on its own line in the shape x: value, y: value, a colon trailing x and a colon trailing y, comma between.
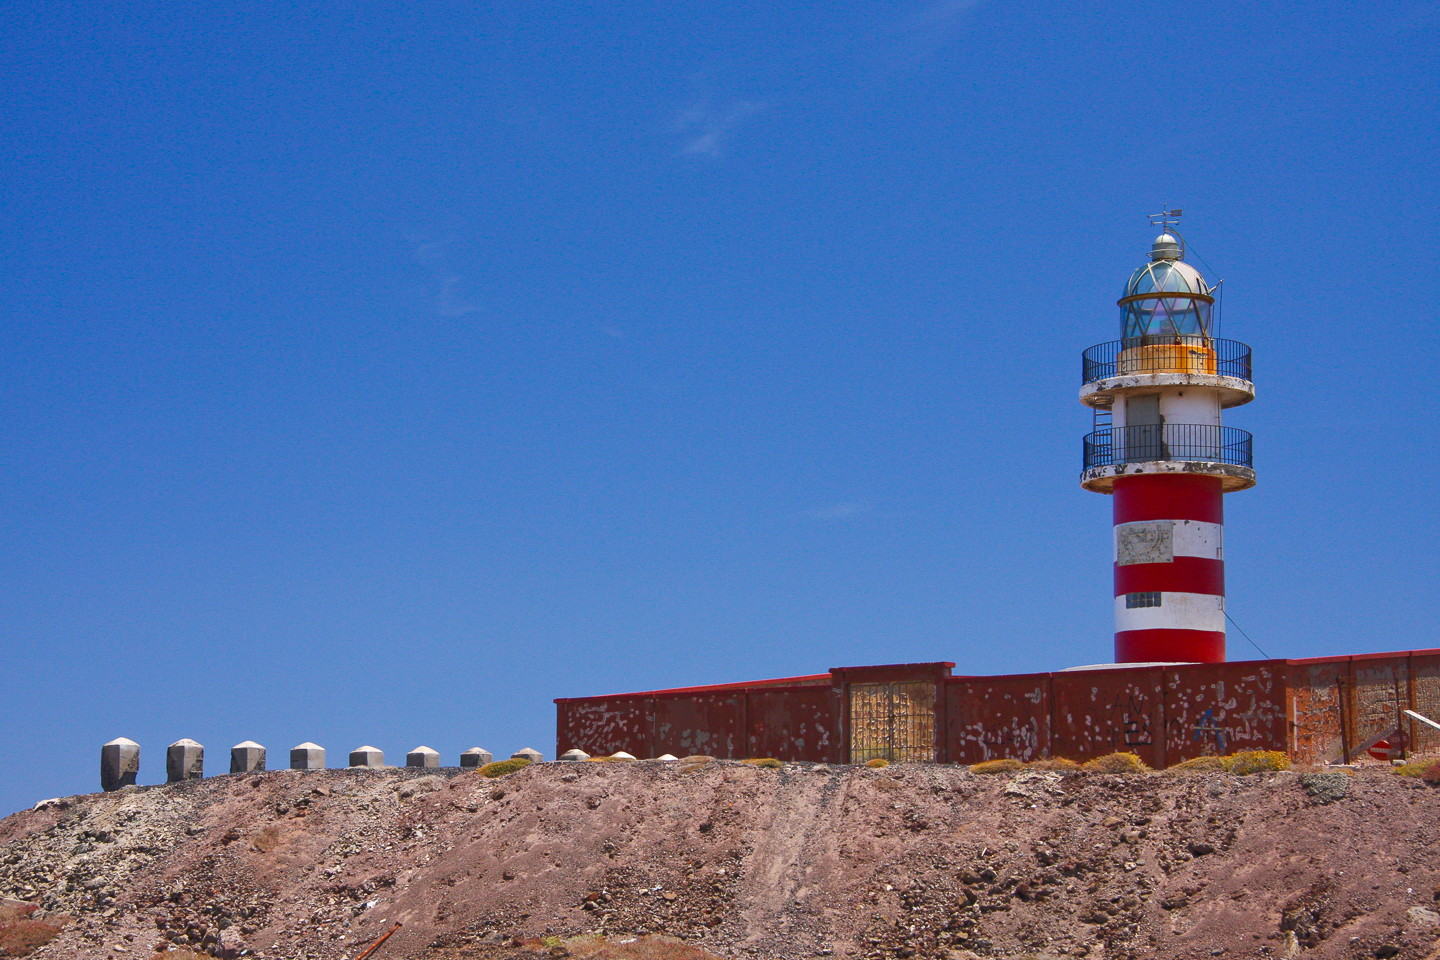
x: 1117, y: 763
x: 1204, y: 765
x: 877, y: 763
x: 19, y: 911
x: 1431, y: 774
x: 610, y: 759
x: 769, y: 763
x: 998, y: 766
x: 1059, y: 764
x: 501, y: 767
x: 1415, y: 768
x: 1258, y: 761
x: 20, y: 935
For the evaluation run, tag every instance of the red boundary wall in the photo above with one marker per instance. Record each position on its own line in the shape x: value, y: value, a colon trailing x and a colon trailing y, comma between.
x: 1316, y: 710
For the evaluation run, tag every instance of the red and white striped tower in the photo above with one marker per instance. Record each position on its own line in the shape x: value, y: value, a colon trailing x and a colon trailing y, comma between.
x: 1159, y: 448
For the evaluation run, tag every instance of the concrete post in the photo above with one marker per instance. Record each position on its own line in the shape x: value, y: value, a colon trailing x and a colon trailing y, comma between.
x: 184, y: 760
x: 474, y: 758
x: 574, y: 755
x: 119, y: 763
x: 247, y: 757
x: 528, y: 753
x: 423, y: 757
x: 307, y: 756
x: 367, y: 757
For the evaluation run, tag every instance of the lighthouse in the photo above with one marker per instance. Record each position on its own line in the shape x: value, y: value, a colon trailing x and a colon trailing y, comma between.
x: 1159, y: 449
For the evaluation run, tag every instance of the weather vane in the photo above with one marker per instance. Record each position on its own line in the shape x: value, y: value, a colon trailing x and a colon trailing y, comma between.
x: 1166, y: 219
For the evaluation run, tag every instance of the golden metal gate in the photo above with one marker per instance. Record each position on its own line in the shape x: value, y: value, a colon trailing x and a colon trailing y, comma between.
x: 892, y: 721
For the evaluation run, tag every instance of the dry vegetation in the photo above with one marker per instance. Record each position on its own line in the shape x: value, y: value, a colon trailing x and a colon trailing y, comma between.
x: 1116, y: 763
x: 1427, y: 770
x: 631, y: 948
x: 998, y: 766
x: 1258, y: 761
x: 21, y: 932
x: 501, y: 767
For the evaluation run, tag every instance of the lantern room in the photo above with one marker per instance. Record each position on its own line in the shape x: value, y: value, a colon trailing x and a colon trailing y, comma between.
x: 1166, y: 297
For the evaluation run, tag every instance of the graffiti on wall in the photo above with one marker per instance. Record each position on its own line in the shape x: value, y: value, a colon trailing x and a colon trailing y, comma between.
x: 1131, y: 721
x: 1166, y: 715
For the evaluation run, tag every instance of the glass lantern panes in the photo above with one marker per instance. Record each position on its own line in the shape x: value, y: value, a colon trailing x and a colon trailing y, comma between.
x: 1145, y: 311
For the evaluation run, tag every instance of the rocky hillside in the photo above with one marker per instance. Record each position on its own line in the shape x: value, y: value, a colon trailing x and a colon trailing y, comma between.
x: 804, y: 860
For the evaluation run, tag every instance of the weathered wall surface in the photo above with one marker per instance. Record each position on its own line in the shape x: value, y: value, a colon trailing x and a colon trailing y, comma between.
x: 798, y: 723
x: 605, y: 725
x: 1341, y: 705
x: 801, y: 722
x: 712, y: 724
x: 1103, y: 711
x: 1219, y: 708
x: 1316, y: 710
x: 987, y: 718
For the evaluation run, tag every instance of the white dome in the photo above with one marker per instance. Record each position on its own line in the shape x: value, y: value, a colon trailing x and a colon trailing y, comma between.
x: 1167, y: 247
x: 1166, y: 276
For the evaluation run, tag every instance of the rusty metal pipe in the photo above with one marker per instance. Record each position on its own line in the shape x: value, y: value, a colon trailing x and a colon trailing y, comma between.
x: 376, y: 945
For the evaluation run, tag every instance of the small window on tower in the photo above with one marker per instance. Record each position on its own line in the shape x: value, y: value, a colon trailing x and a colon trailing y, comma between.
x: 1133, y: 600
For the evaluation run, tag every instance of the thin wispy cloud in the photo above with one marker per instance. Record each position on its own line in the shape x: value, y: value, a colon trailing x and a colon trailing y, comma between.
x: 707, y: 128
x: 840, y: 511
x: 931, y: 26
x: 453, y: 294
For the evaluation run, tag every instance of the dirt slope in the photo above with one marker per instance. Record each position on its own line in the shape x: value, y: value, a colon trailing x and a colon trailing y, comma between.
x: 806, y: 860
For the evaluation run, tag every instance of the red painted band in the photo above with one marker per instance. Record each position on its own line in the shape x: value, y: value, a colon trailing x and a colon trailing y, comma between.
x: 1184, y: 575
x: 1169, y: 646
x: 1168, y: 496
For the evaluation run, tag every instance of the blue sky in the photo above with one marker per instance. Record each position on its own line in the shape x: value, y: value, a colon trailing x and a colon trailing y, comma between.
x: 377, y: 373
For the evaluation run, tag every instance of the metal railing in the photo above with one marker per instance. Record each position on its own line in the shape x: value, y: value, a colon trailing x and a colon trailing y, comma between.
x: 1203, y: 355
x: 1148, y: 442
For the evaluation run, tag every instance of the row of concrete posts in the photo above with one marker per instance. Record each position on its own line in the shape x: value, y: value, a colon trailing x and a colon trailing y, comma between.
x: 185, y: 760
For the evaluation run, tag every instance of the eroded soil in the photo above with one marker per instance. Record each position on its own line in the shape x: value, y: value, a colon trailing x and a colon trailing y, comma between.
x: 807, y: 860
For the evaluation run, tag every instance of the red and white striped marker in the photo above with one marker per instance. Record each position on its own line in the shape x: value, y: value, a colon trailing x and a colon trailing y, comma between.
x: 1169, y: 569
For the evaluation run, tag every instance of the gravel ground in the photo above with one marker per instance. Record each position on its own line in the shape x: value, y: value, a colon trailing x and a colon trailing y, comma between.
x: 805, y: 860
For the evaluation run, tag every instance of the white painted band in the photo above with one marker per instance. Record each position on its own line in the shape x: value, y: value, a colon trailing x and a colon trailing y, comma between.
x: 1144, y: 541
x: 1177, y: 611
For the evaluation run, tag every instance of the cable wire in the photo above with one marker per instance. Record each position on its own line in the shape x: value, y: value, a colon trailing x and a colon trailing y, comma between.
x: 1246, y: 636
